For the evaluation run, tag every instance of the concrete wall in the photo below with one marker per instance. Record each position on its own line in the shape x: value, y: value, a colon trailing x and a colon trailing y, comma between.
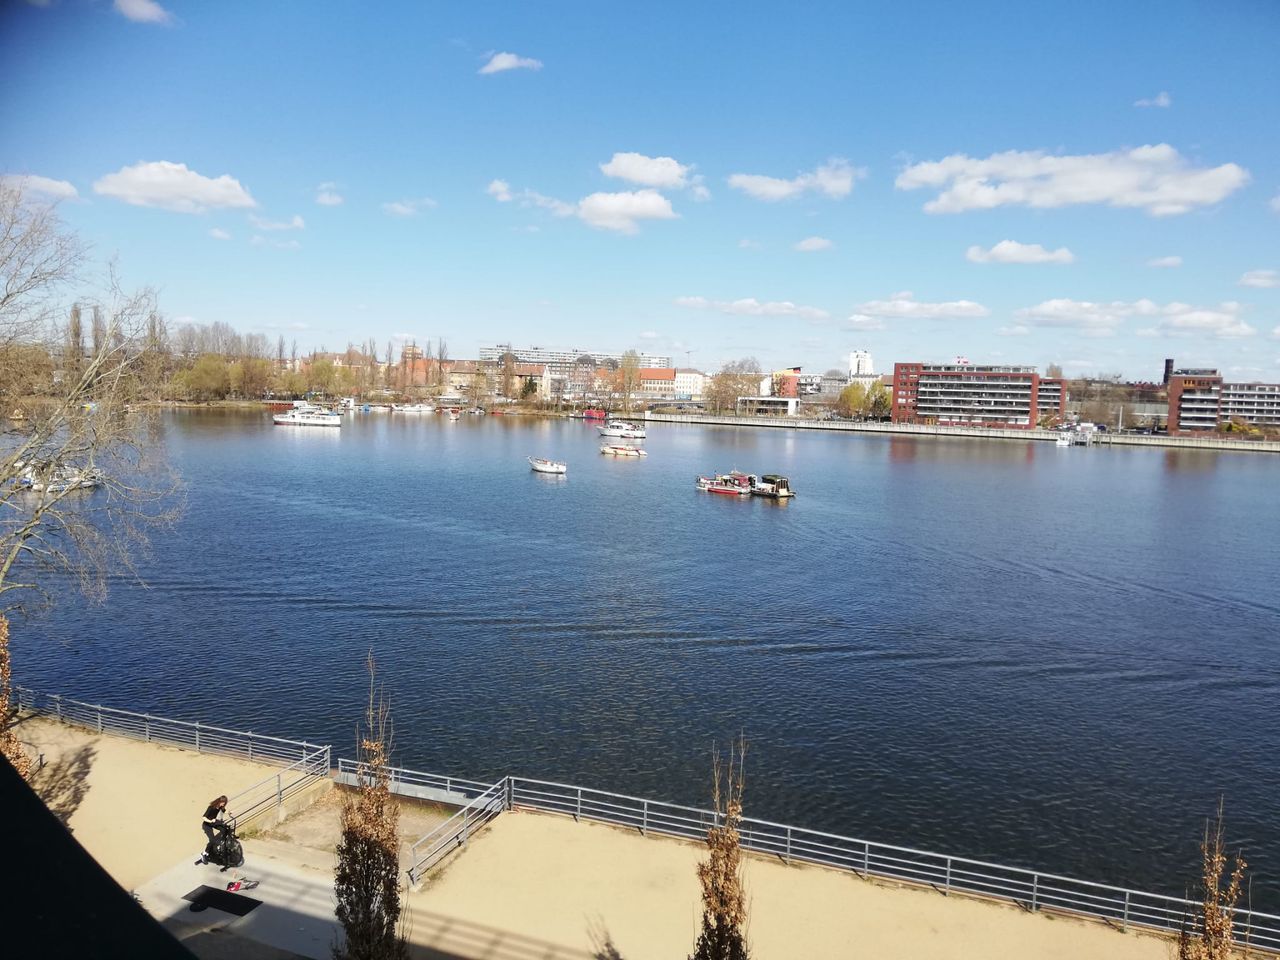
x: 984, y: 433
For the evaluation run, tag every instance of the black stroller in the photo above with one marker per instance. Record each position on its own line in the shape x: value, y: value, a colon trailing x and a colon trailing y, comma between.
x: 224, y: 849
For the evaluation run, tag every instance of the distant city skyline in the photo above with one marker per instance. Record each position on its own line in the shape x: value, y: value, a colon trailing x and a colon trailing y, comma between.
x: 1007, y: 182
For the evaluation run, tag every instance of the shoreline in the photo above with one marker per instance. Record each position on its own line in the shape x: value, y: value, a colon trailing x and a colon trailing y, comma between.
x: 971, y: 433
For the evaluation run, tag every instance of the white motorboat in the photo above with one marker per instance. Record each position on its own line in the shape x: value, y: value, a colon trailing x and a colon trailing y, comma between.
x: 772, y: 486
x: 623, y: 450
x: 60, y: 481
x: 412, y: 408
x: 304, y: 417
x: 623, y: 429
x: 1062, y: 440
x: 539, y: 465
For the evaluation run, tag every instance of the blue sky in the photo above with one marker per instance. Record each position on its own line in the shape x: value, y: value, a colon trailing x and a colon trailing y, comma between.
x: 1096, y: 185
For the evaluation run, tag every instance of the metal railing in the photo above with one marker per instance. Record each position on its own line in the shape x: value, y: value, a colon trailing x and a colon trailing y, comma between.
x: 458, y: 829
x: 1031, y: 889
x: 269, y: 794
x: 415, y: 783
x: 200, y: 737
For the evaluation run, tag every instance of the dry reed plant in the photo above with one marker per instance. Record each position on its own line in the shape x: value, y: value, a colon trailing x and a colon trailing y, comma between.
x: 367, y: 875
x: 1210, y: 934
x: 724, y: 898
x: 10, y: 745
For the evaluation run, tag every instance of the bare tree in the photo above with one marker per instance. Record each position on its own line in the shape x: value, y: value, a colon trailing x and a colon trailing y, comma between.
x: 80, y: 435
x: 366, y: 878
x: 442, y: 357
x: 629, y: 377
x: 1210, y: 934
x: 724, y: 898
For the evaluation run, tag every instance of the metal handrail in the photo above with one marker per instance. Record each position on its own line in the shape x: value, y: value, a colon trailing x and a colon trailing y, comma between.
x: 311, y: 769
x: 1030, y: 888
x: 399, y: 776
x: 457, y: 830
x: 202, y: 737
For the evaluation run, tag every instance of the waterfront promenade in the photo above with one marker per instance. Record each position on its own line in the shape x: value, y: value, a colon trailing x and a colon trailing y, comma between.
x: 973, y: 433
x: 529, y: 885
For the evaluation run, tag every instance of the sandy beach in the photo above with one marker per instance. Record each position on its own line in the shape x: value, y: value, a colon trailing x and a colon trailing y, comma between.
x: 583, y: 886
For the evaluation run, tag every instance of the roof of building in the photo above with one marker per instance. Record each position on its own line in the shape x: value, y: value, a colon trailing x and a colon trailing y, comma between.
x: 657, y: 373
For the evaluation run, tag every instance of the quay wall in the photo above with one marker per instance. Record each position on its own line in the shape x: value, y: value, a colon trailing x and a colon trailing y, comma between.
x: 980, y: 433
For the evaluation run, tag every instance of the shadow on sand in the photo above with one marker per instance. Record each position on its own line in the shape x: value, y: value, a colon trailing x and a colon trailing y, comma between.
x: 63, y: 783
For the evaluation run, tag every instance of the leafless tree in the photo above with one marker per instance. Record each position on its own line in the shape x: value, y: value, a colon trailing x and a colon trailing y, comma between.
x: 79, y: 429
x: 724, y: 898
x: 366, y: 878
x: 1210, y: 933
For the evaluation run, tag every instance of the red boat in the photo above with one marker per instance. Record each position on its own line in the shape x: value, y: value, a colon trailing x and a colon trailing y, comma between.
x: 730, y: 484
x: 594, y: 413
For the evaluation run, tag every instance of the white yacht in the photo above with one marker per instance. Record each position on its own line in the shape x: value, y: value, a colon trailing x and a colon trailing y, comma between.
x: 539, y: 465
x: 412, y: 408
x: 307, y: 417
x: 621, y: 428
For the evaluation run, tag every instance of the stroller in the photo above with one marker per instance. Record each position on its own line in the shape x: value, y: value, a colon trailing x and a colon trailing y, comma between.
x: 224, y: 849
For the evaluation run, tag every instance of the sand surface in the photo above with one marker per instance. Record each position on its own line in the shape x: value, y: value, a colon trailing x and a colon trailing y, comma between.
x: 135, y: 806
x: 577, y: 888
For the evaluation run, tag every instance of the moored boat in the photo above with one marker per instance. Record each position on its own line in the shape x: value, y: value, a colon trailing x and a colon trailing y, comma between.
x: 412, y: 408
x: 623, y: 450
x: 539, y: 465
x: 730, y: 484
x: 773, y: 486
x: 60, y: 481
x: 304, y: 417
x: 623, y: 429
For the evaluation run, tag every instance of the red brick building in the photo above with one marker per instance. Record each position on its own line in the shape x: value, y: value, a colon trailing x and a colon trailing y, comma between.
x: 962, y: 394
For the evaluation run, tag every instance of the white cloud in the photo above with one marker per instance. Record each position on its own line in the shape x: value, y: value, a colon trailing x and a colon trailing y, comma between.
x: 172, y: 186
x: 1172, y: 319
x: 407, y: 208
x: 143, y: 11
x: 620, y: 211
x: 1161, y: 99
x: 860, y: 321
x: 811, y: 244
x: 500, y: 190
x: 509, y: 61
x: 558, y: 208
x: 1153, y: 178
x: 833, y: 179
x: 1011, y: 251
x: 648, y: 335
x: 257, y: 240
x: 1017, y: 330
x: 1275, y: 203
x: 746, y: 243
x: 648, y: 171
x: 219, y: 234
x: 751, y: 307
x: 698, y: 189
x: 44, y: 186
x: 1261, y: 278
x: 1174, y: 261
x: 296, y: 223
x: 904, y: 305
x: 327, y: 195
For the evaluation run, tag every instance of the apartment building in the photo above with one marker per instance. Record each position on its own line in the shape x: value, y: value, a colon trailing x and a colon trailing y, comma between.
x: 964, y: 394
x: 1199, y: 400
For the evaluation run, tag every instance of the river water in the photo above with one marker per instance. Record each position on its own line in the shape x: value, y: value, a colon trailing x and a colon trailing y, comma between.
x: 1053, y: 657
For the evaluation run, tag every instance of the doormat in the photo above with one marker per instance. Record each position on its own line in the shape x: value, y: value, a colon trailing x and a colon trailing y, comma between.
x: 202, y: 898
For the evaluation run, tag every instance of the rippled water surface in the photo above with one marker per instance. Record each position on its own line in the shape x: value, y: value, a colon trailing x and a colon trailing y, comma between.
x: 1052, y: 657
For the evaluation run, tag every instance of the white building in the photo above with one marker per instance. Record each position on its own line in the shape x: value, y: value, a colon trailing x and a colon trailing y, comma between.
x: 860, y: 365
x: 690, y: 384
